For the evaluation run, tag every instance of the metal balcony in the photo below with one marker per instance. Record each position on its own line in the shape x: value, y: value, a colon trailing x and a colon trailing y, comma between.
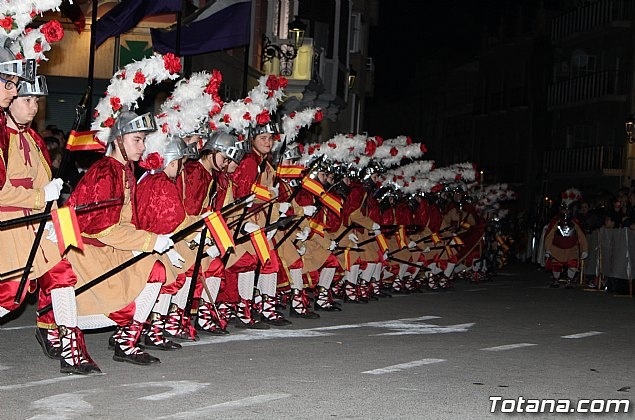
x: 585, y: 161
x: 606, y: 85
x: 592, y: 16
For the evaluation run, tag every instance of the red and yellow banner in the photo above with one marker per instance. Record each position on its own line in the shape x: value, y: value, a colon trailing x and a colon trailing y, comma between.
x: 401, y: 237
x: 313, y: 186
x: 317, y: 227
x: 457, y: 240
x: 66, y: 228
x: 261, y: 245
x: 435, y: 238
x: 219, y: 230
x: 332, y: 202
x: 84, y: 140
x: 289, y: 171
x: 261, y: 192
x: 382, y: 243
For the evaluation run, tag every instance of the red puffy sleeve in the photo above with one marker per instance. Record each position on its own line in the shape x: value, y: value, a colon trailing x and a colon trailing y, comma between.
x: 103, y: 181
x: 304, y: 198
x: 198, y: 184
x: 403, y: 214
x: 435, y: 217
x: 245, y: 176
x: 159, y: 207
x: 421, y: 216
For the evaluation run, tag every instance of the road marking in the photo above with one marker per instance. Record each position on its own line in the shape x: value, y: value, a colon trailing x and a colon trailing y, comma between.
x: 476, y: 290
x: 583, y: 335
x: 177, y: 388
x: 63, y: 406
x: 24, y: 327
x: 4, y: 367
x: 257, y: 335
x: 403, y: 328
x: 509, y: 347
x: 204, y: 412
x: 44, y: 382
x: 403, y: 366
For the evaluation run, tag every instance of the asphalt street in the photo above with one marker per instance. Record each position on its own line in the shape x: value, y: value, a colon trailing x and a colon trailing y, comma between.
x: 431, y: 355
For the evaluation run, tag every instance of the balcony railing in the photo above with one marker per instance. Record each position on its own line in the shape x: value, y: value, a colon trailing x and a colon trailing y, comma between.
x: 593, y: 15
x: 596, y: 160
x: 592, y: 86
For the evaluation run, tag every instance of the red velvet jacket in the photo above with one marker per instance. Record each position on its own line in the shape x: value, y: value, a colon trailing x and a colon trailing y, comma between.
x: 160, y: 208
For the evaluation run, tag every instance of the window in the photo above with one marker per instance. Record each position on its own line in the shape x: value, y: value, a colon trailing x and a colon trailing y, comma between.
x: 355, y: 33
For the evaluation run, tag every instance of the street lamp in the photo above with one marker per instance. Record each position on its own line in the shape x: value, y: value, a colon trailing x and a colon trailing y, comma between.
x: 630, y: 126
x: 286, y: 53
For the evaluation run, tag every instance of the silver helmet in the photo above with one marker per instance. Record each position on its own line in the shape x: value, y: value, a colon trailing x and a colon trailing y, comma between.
x: 225, y: 143
x: 174, y: 150
x: 36, y: 88
x: 268, y: 128
x: 129, y: 122
x: 10, y: 66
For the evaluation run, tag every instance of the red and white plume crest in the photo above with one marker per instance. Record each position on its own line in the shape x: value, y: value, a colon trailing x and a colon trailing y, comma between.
x: 16, y: 15
x: 33, y: 43
x: 571, y: 195
x: 127, y: 86
x: 256, y: 109
x: 294, y: 121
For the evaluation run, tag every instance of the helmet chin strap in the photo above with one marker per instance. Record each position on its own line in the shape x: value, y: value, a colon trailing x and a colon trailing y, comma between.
x: 21, y: 127
x: 122, y: 148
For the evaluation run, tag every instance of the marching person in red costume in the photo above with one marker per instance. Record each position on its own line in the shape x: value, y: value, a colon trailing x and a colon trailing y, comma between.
x: 256, y: 170
x: 111, y: 238
x: 204, y: 185
x: 160, y: 209
x: 565, y: 241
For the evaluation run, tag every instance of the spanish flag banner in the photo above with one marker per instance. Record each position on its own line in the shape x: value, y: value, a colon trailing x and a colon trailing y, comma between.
x: 332, y: 202
x: 219, y: 230
x: 313, y: 186
x: 66, y: 228
x: 347, y: 259
x: 289, y: 171
x: 261, y: 192
x: 457, y: 240
x: 401, y: 237
x: 317, y: 227
x: 84, y: 140
x: 449, y: 251
x: 435, y: 238
x: 261, y: 245
x: 382, y: 243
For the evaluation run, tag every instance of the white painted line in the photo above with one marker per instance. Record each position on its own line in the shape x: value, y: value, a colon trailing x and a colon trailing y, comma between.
x: 177, y: 388
x: 583, y: 335
x: 24, y: 327
x: 403, y: 366
x: 509, y: 347
x: 413, y: 329
x: 476, y: 290
x: 4, y: 367
x: 204, y: 412
x: 44, y: 382
x: 256, y: 335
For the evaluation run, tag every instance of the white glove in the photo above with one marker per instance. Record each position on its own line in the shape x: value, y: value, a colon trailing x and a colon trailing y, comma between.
x: 584, y: 255
x: 136, y: 253
x: 175, y: 258
x: 375, y: 226
x: 385, y: 256
x: 301, y: 250
x: 206, y: 214
x: 412, y: 244
x: 163, y: 243
x: 274, y: 191
x: 271, y: 233
x: 547, y: 254
x: 309, y: 210
x: 332, y: 246
x: 283, y: 207
x: 303, y: 235
x: 250, y: 200
x: 213, y: 251
x: 51, y: 235
x: 354, y: 239
x: 52, y: 189
x: 197, y: 239
x: 250, y: 227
